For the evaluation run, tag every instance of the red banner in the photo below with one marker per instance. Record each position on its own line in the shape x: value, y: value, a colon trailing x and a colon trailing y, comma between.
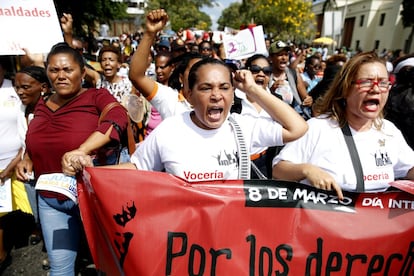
x: 150, y: 223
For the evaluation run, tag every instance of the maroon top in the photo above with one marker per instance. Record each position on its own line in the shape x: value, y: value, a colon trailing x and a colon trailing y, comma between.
x: 53, y: 133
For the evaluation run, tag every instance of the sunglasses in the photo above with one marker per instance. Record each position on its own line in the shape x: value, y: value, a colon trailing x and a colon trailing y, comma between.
x: 205, y: 49
x: 255, y: 69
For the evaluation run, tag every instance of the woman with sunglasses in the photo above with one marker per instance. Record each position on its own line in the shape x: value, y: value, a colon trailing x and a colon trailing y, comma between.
x: 310, y: 75
x: 261, y: 71
x: 352, y: 110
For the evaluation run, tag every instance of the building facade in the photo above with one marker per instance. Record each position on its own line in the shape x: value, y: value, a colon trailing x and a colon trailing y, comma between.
x: 364, y: 24
x: 136, y: 10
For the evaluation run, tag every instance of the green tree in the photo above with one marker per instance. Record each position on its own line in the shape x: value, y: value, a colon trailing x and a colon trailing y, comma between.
x: 89, y: 12
x: 231, y: 17
x: 408, y: 21
x: 284, y: 19
x: 185, y: 13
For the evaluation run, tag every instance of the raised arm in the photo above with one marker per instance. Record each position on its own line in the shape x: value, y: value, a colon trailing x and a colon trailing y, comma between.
x: 155, y: 22
x: 66, y: 22
x: 30, y: 59
x: 293, y: 124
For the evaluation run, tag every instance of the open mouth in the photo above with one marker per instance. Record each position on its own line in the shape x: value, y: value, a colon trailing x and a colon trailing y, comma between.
x: 282, y: 64
x: 214, y: 113
x: 259, y: 82
x: 371, y: 104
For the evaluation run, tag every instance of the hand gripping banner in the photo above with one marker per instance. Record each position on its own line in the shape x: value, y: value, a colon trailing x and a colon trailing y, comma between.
x: 151, y: 223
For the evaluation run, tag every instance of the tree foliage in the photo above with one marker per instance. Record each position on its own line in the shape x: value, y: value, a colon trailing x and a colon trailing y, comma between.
x: 282, y: 19
x: 231, y: 17
x: 185, y: 13
x: 90, y: 12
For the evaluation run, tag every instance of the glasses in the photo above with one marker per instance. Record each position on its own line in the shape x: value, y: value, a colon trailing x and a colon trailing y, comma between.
x: 365, y: 85
x: 205, y: 49
x: 255, y: 69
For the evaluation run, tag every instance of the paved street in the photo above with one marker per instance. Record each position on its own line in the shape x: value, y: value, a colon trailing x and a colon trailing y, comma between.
x: 27, y: 261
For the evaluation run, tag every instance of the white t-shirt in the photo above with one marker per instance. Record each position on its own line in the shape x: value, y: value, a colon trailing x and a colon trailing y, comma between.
x: 384, y: 154
x: 166, y: 101
x: 249, y: 109
x: 11, y: 121
x: 181, y: 148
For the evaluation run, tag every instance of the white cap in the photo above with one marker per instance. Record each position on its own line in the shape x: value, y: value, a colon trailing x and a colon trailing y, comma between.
x: 404, y: 63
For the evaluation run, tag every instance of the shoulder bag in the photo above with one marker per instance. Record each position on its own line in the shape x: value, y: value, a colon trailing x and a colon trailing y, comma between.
x: 110, y: 153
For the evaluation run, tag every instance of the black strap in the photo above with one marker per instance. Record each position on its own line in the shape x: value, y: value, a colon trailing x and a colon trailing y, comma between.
x: 353, y: 152
x: 254, y: 168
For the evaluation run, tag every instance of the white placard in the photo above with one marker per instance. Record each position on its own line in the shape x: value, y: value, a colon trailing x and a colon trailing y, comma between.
x: 245, y: 43
x: 58, y: 183
x: 6, y: 197
x: 31, y: 24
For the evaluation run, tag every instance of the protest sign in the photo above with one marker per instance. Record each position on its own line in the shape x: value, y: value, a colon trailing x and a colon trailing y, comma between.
x: 28, y: 24
x: 244, y: 43
x: 152, y: 223
x: 58, y: 183
x: 6, y: 197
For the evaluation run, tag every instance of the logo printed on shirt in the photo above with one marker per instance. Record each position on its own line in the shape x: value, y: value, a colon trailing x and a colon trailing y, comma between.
x: 381, y: 156
x: 226, y: 159
x: 11, y: 101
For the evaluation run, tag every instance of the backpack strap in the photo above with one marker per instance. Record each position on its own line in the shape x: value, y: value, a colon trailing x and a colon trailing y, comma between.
x: 130, y: 135
x: 105, y: 111
x: 292, y: 82
x: 244, y: 156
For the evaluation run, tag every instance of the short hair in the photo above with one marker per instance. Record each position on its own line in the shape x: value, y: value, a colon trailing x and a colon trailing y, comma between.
x: 64, y: 48
x: 36, y: 72
x: 181, y: 63
x: 249, y: 61
x: 112, y: 49
x: 193, y: 75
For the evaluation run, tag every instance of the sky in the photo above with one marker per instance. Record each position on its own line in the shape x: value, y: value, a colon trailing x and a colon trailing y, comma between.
x: 216, y: 10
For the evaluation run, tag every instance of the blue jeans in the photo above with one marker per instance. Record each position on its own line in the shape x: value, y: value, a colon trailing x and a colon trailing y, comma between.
x: 116, y: 157
x: 124, y: 156
x: 61, y: 228
x: 31, y: 196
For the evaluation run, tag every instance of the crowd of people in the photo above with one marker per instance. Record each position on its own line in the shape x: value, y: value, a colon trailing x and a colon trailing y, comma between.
x: 335, y: 122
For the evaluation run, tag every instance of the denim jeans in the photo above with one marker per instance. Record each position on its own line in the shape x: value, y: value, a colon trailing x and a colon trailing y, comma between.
x: 124, y: 156
x: 114, y: 158
x: 31, y: 196
x: 61, y: 228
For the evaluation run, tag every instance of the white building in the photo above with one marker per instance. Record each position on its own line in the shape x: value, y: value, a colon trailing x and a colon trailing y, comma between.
x: 136, y: 10
x: 364, y: 24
